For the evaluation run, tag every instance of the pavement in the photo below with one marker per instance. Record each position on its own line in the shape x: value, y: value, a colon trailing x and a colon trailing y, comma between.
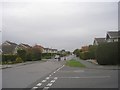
x: 91, y: 64
x: 19, y: 64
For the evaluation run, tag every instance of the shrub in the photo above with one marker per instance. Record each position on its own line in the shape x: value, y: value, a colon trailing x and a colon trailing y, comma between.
x: 19, y: 60
x: 22, y: 54
x: 9, y: 58
x: 36, y: 53
x: 107, y: 54
x: 85, y: 55
x: 47, y: 55
x: 92, y: 51
x: 77, y: 52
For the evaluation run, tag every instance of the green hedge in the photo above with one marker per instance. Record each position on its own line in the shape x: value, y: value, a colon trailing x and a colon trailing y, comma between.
x: 48, y: 55
x: 9, y: 58
x: 85, y: 55
x: 90, y: 54
x: 107, y: 54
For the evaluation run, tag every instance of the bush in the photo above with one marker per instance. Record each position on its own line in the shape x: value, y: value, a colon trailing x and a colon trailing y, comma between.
x: 107, y: 54
x: 8, y: 58
x: 85, y: 55
x: 18, y: 60
x: 36, y: 56
x: 92, y: 51
x: 22, y: 54
x: 90, y: 54
x: 77, y: 52
x: 48, y: 55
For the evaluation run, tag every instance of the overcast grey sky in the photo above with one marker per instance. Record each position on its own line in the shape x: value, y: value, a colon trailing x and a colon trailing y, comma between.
x: 58, y: 24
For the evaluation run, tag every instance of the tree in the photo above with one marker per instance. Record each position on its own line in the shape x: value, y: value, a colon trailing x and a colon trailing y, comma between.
x: 37, y: 53
x: 22, y: 54
x: 76, y: 52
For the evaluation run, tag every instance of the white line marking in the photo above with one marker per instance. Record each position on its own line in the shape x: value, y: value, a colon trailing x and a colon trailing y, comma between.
x: 47, y: 78
x: 34, y: 87
x: 56, y: 78
x: 46, y: 88
x: 49, y: 84
x: 39, y: 84
x: 52, y: 81
x: 43, y: 80
x: 84, y: 77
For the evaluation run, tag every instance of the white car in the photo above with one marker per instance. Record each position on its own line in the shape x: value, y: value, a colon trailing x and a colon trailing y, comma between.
x: 57, y: 56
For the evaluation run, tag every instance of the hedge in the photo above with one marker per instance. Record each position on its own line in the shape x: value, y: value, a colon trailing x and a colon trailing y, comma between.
x: 48, y: 55
x: 107, y: 54
x: 90, y: 54
x: 85, y: 55
x: 8, y: 58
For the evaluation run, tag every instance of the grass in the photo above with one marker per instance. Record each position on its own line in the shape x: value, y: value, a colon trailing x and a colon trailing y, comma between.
x: 74, y: 63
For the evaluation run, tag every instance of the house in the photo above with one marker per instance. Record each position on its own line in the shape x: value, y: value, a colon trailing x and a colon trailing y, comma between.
x: 112, y: 36
x: 49, y: 50
x: 8, y: 47
x: 98, y: 41
x: 54, y: 50
x: 22, y: 46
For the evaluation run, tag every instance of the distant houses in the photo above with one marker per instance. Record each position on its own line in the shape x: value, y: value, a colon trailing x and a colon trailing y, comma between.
x: 49, y: 50
x: 111, y: 36
x: 9, y: 47
x: 98, y: 41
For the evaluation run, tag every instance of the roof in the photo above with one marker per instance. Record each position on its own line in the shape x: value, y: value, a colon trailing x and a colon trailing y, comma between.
x: 100, y: 40
x: 25, y: 45
x: 8, y: 42
x: 114, y: 34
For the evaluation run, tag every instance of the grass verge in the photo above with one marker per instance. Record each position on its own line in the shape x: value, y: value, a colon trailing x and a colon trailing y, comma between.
x: 74, y: 63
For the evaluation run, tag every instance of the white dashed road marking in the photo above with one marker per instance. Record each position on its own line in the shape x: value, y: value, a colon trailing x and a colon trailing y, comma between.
x: 52, y: 81
x: 39, y: 84
x: 47, y: 78
x: 49, y: 84
x: 50, y: 75
x: 43, y: 80
x: 56, y: 78
x: 34, y: 88
x: 45, y: 88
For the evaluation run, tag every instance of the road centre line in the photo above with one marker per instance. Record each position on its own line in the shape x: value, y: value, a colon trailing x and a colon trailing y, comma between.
x: 51, y: 82
x: 34, y: 88
x: 47, y: 78
x: 39, y: 84
x: 44, y: 80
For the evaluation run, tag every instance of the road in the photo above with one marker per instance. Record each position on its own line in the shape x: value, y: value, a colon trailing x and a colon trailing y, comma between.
x: 54, y: 74
x: 22, y: 76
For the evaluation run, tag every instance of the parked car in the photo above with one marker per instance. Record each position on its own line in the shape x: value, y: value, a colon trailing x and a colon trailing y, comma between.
x: 57, y: 56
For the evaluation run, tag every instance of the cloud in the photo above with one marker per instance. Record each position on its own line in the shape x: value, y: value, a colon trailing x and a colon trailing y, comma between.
x: 66, y: 25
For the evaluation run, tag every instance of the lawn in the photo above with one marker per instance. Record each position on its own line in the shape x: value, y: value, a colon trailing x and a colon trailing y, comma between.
x: 74, y: 63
